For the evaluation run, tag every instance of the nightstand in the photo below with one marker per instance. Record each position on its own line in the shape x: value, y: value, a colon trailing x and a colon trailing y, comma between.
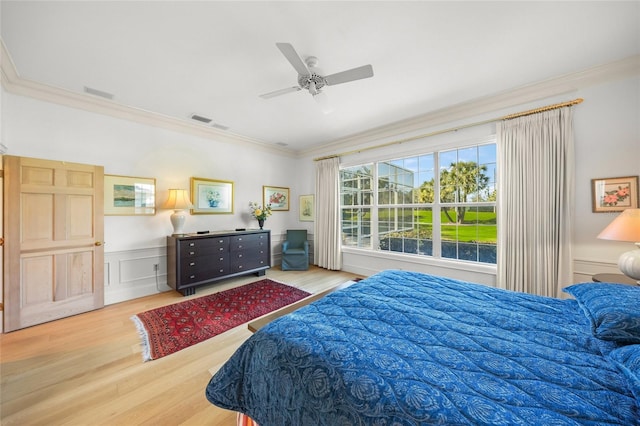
x: 613, y: 278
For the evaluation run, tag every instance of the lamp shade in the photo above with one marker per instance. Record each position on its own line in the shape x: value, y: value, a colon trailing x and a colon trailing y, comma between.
x: 178, y: 200
x: 625, y: 227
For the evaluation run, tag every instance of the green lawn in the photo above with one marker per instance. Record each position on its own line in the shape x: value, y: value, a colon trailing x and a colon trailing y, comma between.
x: 478, y: 226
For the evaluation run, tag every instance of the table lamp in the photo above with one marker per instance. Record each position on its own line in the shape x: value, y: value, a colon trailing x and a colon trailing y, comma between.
x: 178, y: 201
x: 626, y: 227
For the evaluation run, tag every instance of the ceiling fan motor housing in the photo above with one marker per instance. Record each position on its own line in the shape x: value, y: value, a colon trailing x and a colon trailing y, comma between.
x: 305, y: 81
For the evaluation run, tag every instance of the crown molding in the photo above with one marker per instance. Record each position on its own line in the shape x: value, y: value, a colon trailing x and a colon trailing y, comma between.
x: 13, y: 83
x: 538, y: 91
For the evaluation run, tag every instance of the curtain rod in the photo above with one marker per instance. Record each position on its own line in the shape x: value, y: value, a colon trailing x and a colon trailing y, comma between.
x: 453, y: 129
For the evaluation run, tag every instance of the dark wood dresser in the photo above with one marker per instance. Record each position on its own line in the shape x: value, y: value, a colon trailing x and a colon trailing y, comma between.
x: 198, y: 259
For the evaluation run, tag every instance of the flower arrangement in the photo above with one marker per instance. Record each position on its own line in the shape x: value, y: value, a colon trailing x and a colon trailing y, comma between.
x: 616, y: 195
x: 259, y: 212
x: 277, y: 198
x: 213, y: 197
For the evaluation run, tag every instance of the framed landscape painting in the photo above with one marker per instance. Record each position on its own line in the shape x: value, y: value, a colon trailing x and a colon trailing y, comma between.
x: 210, y: 196
x: 277, y: 196
x: 614, y: 194
x: 128, y: 195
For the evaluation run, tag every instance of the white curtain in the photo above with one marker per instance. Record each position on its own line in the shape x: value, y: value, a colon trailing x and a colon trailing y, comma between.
x: 535, y: 202
x: 326, y: 242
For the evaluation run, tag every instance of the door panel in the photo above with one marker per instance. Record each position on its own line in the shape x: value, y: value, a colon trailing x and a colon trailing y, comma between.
x: 53, y: 240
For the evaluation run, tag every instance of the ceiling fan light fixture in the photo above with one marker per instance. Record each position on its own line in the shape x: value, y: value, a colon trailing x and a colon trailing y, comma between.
x: 323, y: 101
x: 312, y: 88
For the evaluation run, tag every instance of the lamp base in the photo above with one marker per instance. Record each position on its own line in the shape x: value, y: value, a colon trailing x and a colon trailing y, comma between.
x: 629, y: 264
x: 178, y: 218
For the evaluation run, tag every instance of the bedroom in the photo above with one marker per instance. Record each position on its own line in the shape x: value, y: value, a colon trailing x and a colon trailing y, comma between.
x: 606, y: 122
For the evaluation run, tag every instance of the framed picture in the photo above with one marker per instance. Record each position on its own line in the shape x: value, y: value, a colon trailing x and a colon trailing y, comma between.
x: 128, y: 195
x: 614, y: 194
x: 307, y: 208
x: 278, y: 197
x: 211, y: 196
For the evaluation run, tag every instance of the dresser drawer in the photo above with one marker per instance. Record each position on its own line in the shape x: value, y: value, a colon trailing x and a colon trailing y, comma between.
x: 244, y: 242
x: 204, y: 275
x: 203, y: 263
x: 245, y: 261
x: 203, y: 247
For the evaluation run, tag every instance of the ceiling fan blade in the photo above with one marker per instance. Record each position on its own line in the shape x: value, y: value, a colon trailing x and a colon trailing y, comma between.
x: 359, y: 73
x: 294, y: 59
x: 280, y: 92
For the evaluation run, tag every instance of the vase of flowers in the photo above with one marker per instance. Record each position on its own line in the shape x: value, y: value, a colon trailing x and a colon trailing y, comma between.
x: 260, y: 213
x: 213, y: 197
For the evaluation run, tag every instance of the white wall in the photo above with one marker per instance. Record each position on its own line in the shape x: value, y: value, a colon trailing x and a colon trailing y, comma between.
x: 34, y: 128
x: 607, y: 131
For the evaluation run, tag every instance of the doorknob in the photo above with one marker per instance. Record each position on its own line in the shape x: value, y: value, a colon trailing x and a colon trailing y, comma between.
x: 98, y: 243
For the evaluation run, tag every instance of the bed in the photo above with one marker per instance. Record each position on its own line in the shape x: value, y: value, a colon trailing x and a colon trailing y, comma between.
x: 405, y: 348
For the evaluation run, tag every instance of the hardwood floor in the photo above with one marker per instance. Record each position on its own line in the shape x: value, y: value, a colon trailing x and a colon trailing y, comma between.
x: 88, y: 369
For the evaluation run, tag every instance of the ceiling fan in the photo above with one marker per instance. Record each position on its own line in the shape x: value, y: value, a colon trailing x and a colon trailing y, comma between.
x: 309, y: 80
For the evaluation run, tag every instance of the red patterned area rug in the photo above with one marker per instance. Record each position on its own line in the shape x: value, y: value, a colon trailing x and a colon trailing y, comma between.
x: 168, y: 329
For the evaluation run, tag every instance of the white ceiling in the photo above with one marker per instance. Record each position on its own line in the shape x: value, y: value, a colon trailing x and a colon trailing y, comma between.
x: 214, y: 58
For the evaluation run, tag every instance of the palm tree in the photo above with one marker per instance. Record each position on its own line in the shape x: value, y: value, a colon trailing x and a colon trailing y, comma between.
x: 462, y: 181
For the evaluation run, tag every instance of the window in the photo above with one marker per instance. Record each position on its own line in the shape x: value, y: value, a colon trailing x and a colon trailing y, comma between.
x: 440, y: 204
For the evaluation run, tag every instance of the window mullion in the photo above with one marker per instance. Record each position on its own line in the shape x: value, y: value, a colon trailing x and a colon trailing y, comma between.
x: 375, y: 242
x: 435, y: 213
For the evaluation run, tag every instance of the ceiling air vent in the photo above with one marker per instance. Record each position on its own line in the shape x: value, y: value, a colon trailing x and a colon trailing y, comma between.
x: 206, y: 120
x: 200, y: 118
x: 97, y: 92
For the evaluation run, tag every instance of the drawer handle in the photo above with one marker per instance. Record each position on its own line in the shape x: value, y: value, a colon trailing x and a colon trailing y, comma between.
x: 239, y: 238
x: 240, y: 267
x: 222, y: 258
x: 240, y: 255
x: 192, y: 253
x: 192, y: 264
x: 192, y: 244
x: 221, y: 270
x: 221, y: 248
x: 192, y: 276
x: 221, y: 241
x: 239, y: 246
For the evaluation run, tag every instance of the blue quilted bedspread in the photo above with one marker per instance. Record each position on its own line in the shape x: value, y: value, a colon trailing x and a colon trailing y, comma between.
x: 403, y: 348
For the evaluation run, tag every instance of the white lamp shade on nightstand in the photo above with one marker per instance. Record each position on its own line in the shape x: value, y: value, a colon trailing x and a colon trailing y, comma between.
x: 626, y: 227
x: 179, y: 202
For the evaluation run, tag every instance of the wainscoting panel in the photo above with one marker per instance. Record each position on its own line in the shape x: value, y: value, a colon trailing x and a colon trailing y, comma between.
x: 132, y: 273
x: 585, y: 269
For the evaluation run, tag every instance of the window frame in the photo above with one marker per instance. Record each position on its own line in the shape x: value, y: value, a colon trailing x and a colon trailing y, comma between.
x: 436, y: 257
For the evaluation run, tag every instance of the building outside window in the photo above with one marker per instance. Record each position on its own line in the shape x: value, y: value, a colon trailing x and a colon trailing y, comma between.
x: 440, y: 204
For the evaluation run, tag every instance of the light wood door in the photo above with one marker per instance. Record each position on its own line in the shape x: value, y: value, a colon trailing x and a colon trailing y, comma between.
x: 53, y: 231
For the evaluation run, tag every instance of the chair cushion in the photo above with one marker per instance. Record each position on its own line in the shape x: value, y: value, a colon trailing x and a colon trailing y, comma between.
x: 296, y: 251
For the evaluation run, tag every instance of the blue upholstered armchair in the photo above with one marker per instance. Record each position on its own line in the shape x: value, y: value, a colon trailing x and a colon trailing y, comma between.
x: 295, y: 251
